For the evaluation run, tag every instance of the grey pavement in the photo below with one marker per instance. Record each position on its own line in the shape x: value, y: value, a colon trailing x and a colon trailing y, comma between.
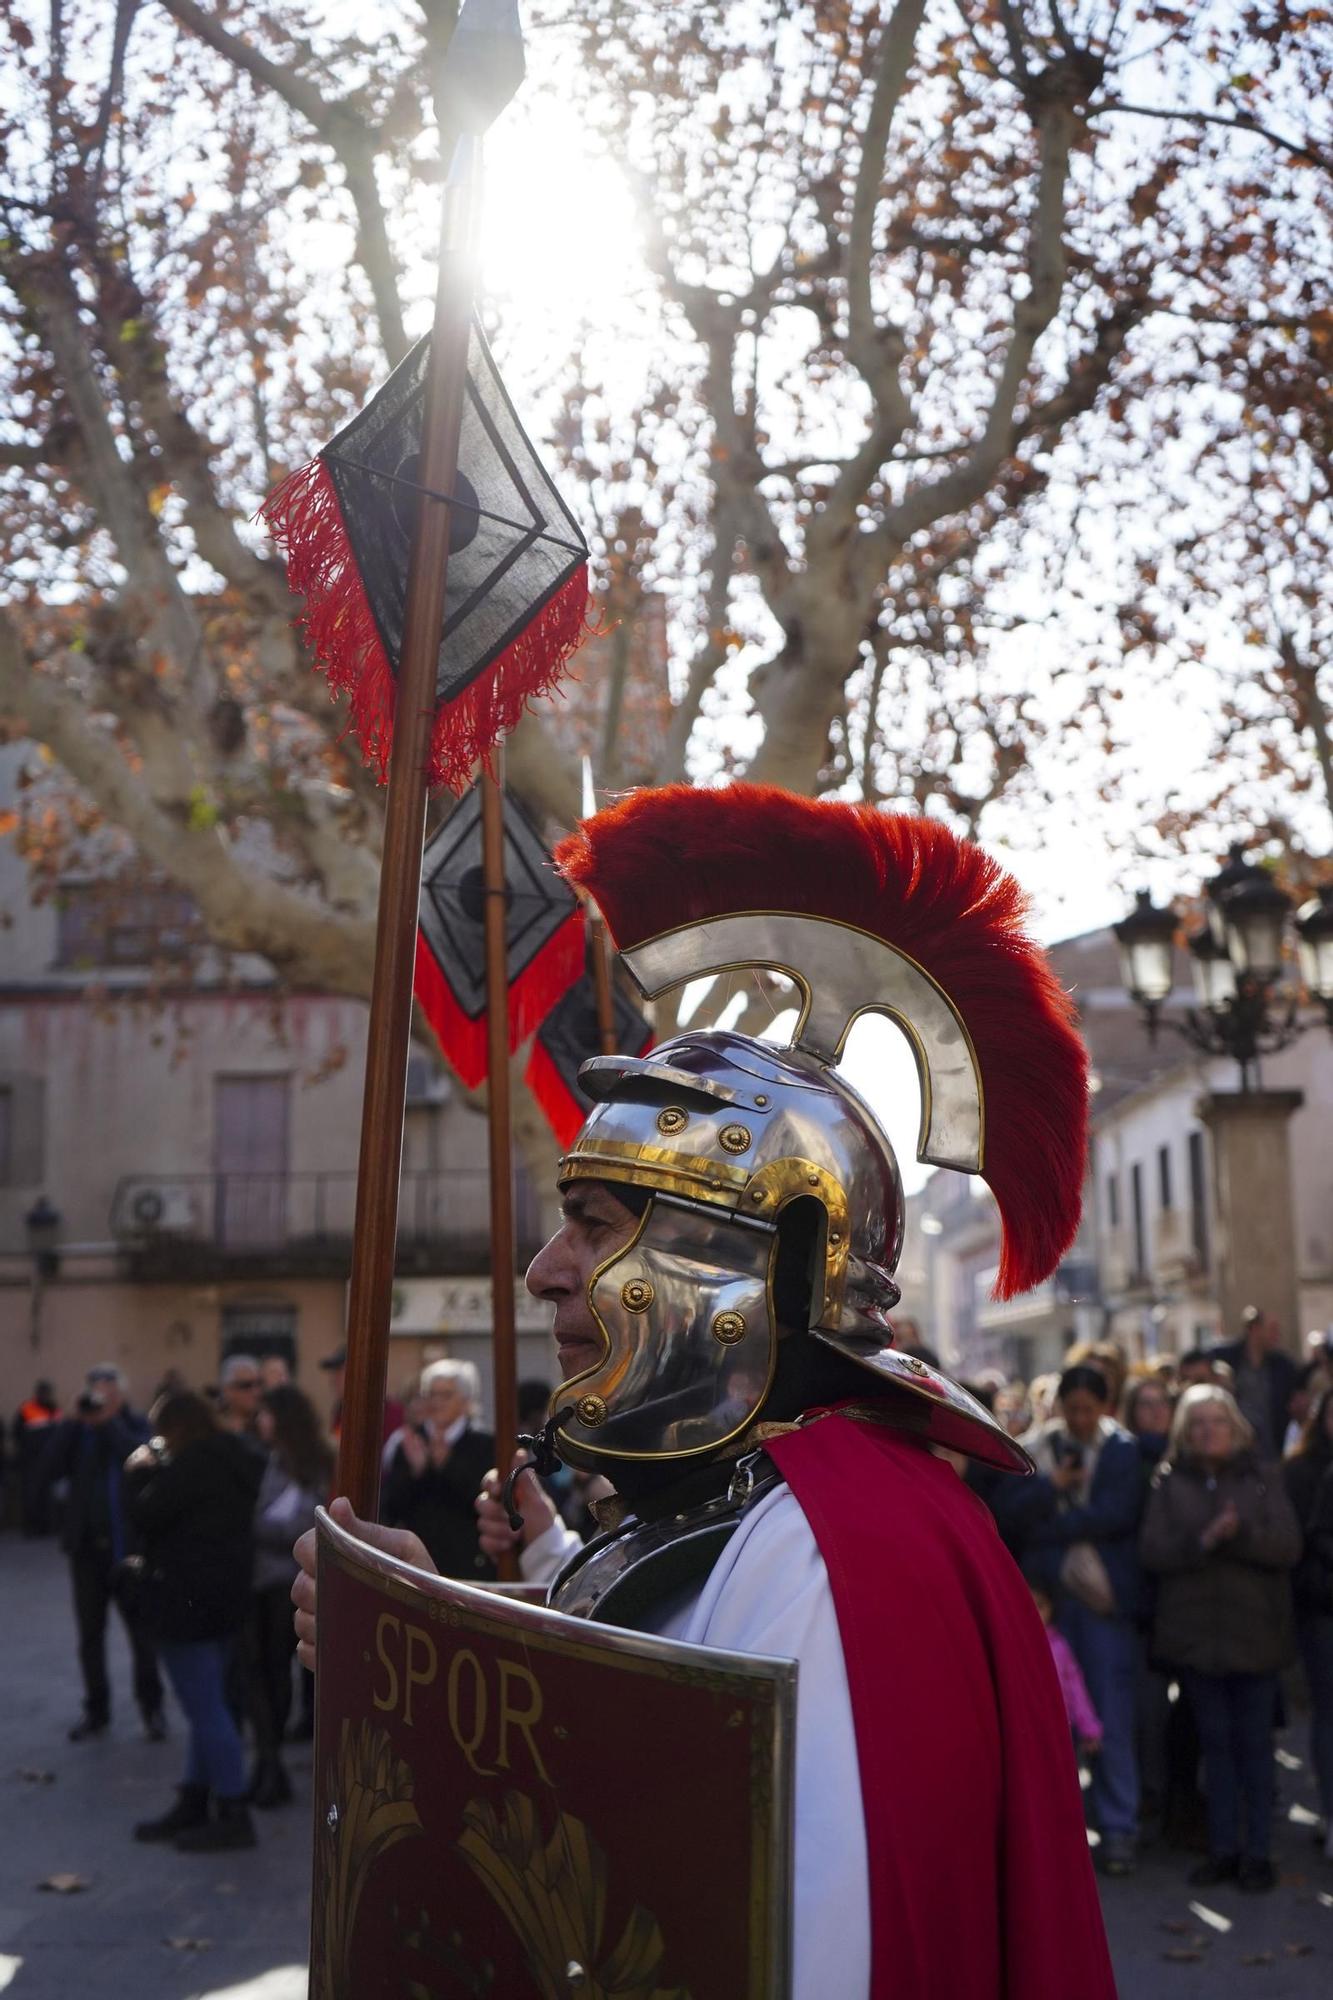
x: 151, y: 1923
x: 159, y: 1925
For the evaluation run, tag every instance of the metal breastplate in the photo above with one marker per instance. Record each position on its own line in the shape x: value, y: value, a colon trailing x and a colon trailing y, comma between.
x: 621, y: 1578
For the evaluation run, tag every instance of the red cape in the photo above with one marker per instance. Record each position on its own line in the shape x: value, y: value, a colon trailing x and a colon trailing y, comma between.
x: 981, y: 1884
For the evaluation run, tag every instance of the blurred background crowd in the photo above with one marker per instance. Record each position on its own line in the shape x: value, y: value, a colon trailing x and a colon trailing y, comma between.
x: 1177, y: 1535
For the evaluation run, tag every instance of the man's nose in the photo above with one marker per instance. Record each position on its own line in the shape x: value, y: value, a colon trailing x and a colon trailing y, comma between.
x: 551, y: 1274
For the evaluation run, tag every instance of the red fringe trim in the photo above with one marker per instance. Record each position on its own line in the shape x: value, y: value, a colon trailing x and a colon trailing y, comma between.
x: 564, y: 1113
x: 538, y: 988
x: 306, y: 522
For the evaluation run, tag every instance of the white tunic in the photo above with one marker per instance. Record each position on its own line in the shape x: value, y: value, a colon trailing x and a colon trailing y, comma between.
x: 768, y: 1593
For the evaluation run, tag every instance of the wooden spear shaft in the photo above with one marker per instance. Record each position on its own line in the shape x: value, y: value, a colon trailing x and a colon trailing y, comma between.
x: 504, y: 1247
x: 601, y: 983
x: 380, y: 1163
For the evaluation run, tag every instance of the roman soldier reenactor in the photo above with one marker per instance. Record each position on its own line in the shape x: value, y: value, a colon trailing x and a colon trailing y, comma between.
x: 722, y: 1283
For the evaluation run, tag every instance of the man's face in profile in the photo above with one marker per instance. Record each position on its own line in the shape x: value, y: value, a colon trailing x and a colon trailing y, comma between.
x: 596, y: 1225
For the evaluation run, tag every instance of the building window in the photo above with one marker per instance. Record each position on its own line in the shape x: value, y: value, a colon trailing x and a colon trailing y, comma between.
x: 1136, y: 1213
x: 1198, y: 1198
x: 122, y: 923
x: 1113, y: 1201
x: 1164, y: 1177
x: 259, y: 1330
x: 22, y: 1130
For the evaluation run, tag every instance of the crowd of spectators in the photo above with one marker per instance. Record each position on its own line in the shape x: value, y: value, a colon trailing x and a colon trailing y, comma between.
x: 1178, y: 1539
x: 1177, y: 1536
x: 183, y: 1520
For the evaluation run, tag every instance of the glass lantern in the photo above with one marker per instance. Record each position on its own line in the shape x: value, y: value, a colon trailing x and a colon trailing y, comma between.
x: 1214, y: 973
x: 1314, y: 932
x: 1249, y: 917
x: 1145, y: 938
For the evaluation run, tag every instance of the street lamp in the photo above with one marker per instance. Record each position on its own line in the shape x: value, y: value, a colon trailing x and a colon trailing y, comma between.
x: 1236, y: 960
x: 42, y: 1223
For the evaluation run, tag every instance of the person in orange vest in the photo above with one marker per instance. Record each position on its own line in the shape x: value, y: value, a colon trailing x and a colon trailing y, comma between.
x: 33, y: 1427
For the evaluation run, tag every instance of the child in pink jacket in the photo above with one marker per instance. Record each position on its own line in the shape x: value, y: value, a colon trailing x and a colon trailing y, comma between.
x: 1084, y: 1722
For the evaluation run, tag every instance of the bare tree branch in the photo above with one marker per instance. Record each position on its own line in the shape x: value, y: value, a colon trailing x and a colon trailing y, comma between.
x: 344, y: 129
x: 1241, y: 121
x: 243, y: 910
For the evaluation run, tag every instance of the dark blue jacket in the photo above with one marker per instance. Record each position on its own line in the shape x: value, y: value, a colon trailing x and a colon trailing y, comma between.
x: 1109, y: 1519
x: 92, y: 1458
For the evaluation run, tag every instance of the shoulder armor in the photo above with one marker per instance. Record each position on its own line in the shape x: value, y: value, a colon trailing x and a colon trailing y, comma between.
x: 621, y: 1578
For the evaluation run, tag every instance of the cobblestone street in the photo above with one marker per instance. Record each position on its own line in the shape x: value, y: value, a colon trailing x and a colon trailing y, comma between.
x: 159, y: 1925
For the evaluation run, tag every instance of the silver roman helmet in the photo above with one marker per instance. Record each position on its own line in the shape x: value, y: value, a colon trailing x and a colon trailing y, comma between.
x: 771, y: 1198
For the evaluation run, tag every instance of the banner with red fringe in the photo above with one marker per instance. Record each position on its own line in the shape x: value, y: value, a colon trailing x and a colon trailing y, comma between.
x: 516, y: 601
x: 544, y: 935
x: 566, y: 1039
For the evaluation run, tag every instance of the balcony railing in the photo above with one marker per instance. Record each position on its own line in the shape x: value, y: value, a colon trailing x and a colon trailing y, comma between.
x: 304, y: 1221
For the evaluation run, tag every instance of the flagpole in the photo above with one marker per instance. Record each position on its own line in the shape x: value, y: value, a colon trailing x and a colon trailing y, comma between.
x: 384, y: 1098
x: 598, y: 942
x: 504, y: 1247
x: 601, y: 982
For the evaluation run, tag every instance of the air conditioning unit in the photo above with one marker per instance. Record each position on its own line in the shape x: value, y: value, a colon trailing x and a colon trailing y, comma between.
x: 159, y: 1209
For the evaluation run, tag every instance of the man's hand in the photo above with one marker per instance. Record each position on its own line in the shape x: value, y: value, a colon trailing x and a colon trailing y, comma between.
x: 1065, y: 1478
x: 399, y: 1542
x: 494, y: 1533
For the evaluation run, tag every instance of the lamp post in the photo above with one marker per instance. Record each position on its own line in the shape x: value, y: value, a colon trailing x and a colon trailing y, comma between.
x: 1246, y: 1009
x: 1236, y: 959
x: 42, y: 1223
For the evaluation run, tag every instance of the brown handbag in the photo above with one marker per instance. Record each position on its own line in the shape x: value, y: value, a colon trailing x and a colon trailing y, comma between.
x: 1083, y: 1574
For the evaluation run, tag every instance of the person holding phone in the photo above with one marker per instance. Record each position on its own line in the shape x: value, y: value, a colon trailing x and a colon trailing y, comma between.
x: 88, y: 1451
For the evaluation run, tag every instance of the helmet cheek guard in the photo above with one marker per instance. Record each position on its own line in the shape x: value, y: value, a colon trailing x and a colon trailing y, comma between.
x: 686, y: 1311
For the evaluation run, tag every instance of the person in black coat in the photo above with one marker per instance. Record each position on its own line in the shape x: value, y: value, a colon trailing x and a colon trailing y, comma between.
x: 87, y: 1451
x: 436, y: 1473
x: 1265, y: 1379
x: 191, y: 1493
x: 1308, y: 1475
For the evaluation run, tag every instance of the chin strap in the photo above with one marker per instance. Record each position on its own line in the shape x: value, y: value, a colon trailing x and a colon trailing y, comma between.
x: 544, y: 1460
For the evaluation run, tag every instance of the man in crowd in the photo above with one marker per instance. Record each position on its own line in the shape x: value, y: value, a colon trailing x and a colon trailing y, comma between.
x: 88, y: 1451
x: 34, y: 1427
x: 436, y: 1472
x: 1265, y: 1378
x: 335, y: 1366
x: 241, y: 1388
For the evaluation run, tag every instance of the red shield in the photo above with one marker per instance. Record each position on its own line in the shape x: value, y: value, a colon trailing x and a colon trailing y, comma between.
x: 513, y: 1803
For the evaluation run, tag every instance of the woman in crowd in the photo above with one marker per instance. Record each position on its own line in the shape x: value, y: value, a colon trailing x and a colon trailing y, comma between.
x: 1309, y: 1478
x: 296, y: 1480
x: 436, y: 1473
x: 1079, y: 1544
x: 191, y: 1493
x: 1167, y: 1743
x: 1147, y: 1411
x: 1220, y: 1535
